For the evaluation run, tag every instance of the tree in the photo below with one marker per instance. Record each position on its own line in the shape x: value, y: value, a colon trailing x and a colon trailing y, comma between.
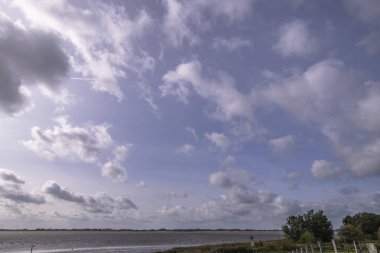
x: 294, y: 228
x: 319, y: 225
x: 350, y: 233
x: 367, y: 223
x: 316, y: 223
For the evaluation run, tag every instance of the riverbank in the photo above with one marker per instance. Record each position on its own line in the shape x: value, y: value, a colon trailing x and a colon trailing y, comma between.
x: 274, y: 246
x: 277, y: 246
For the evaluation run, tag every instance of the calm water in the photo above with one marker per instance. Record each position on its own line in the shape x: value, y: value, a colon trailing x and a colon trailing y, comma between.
x: 118, y: 242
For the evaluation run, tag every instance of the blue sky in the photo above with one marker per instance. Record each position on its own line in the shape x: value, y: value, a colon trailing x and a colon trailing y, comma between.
x: 187, y: 114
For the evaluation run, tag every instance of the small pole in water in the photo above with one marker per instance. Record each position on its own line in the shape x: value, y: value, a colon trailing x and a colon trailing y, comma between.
x: 31, y: 249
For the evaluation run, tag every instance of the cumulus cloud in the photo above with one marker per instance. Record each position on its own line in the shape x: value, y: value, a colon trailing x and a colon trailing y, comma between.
x: 10, y: 176
x: 282, y: 143
x: 340, y: 103
x: 186, y: 149
x: 220, y: 179
x: 221, y: 91
x: 219, y: 139
x: 98, y: 203
x: 20, y: 47
x: 295, y: 39
x: 367, y: 11
x: 85, y: 142
x: 80, y: 27
x: 12, y: 190
x: 239, y: 199
x: 54, y: 189
x: 184, y: 20
x: 322, y: 169
x: 230, y: 44
x: 371, y: 42
x: 114, y: 170
x: 88, y: 143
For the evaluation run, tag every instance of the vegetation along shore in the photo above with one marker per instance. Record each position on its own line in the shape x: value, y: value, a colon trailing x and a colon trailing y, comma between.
x: 309, y: 233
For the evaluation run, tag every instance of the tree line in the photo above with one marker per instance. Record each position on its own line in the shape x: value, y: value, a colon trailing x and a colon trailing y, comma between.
x: 314, y: 226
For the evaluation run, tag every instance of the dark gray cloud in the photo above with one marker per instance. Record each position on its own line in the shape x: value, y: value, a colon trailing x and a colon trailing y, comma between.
x: 55, y: 190
x: 28, y: 56
x: 19, y: 196
x: 10, y: 176
x: 99, y: 203
x: 348, y: 190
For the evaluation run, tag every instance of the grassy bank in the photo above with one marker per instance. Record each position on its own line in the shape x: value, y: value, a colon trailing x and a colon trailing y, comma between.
x: 266, y: 246
x: 277, y: 246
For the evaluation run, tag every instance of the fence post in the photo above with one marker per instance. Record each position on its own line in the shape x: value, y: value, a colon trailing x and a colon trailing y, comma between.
x: 356, y: 248
x: 306, y: 250
x: 311, y: 247
x: 301, y: 249
x: 320, y: 248
x: 371, y: 248
x: 334, y: 245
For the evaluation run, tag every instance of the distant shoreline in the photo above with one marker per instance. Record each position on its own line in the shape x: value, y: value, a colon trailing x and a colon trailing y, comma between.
x: 140, y: 230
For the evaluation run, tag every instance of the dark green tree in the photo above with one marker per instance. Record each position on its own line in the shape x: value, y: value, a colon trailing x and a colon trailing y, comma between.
x: 294, y: 228
x: 319, y: 225
x: 367, y: 223
x: 350, y: 233
x: 315, y: 223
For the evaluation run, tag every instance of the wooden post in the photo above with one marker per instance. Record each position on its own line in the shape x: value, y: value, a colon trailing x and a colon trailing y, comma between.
x: 311, y: 248
x: 320, y: 248
x: 356, y: 248
x: 371, y: 248
x: 334, y: 245
x: 306, y: 250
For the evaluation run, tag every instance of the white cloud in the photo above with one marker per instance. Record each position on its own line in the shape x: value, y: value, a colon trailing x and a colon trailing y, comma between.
x: 295, y: 39
x: 121, y: 152
x: 185, y: 149
x: 88, y: 143
x: 114, y: 170
x: 219, y: 139
x: 340, y: 104
x: 322, y: 169
x: 365, y: 159
x: 19, y: 47
x: 185, y: 20
x: 230, y: 44
x: 221, y: 179
x: 85, y: 142
x: 80, y: 27
x: 220, y: 91
x: 282, y: 143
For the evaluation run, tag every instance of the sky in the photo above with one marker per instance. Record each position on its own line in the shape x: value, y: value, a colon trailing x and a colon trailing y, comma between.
x: 187, y: 114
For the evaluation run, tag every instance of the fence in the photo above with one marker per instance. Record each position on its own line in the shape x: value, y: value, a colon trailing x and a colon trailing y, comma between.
x: 336, y: 247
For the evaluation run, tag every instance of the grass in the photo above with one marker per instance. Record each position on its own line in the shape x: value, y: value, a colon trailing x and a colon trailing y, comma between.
x: 277, y: 246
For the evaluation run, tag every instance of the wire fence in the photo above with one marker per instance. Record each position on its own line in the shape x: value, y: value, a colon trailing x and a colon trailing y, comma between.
x: 336, y: 247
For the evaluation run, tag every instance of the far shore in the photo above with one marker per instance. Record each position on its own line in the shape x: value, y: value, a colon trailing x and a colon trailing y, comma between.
x: 137, y: 230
